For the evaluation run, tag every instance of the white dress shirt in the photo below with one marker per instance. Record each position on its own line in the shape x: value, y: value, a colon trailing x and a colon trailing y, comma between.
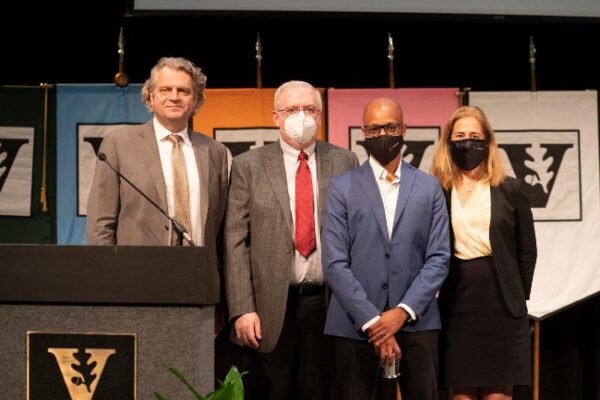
x: 389, y: 187
x: 471, y: 223
x: 304, y: 270
x: 165, y: 148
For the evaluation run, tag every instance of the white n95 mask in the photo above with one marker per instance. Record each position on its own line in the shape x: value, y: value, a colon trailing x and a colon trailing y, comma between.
x: 300, y: 128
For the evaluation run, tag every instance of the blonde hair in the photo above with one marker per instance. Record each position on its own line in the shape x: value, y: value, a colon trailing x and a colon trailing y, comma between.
x: 178, y: 64
x: 447, y: 172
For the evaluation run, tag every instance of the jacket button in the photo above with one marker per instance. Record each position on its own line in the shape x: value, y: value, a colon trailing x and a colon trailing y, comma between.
x: 387, y: 255
x: 384, y: 286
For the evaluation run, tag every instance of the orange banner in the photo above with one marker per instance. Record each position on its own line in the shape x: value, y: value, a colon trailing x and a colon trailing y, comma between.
x: 227, y: 110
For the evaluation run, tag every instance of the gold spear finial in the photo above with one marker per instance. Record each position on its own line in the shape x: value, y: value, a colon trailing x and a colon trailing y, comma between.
x: 390, y: 57
x: 121, y: 79
x: 258, y: 48
x: 532, y: 52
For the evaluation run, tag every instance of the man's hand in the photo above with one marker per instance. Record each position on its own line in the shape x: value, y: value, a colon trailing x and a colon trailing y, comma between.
x: 247, y: 330
x: 390, y: 322
x: 388, y: 350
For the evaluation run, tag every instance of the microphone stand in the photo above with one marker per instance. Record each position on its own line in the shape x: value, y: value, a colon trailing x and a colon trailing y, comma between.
x: 178, y: 228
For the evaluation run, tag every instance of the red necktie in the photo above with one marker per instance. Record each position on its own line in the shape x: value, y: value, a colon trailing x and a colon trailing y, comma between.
x: 305, y: 214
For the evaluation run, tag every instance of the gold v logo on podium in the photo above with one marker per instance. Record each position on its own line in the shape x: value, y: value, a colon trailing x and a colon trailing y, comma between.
x: 81, y: 369
x: 81, y: 366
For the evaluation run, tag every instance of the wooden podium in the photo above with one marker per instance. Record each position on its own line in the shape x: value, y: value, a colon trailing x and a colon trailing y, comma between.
x: 163, y: 295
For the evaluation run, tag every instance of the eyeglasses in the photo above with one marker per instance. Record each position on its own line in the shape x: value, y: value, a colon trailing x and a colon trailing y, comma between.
x: 372, y: 131
x: 311, y: 111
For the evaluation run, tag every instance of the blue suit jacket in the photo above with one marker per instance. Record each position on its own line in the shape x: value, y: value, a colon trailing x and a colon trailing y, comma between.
x: 367, y: 271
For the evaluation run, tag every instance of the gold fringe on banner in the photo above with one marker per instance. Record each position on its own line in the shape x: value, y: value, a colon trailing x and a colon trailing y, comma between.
x: 43, y: 198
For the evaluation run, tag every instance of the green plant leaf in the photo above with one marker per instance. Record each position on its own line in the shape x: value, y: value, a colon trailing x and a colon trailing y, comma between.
x: 224, y: 392
x: 180, y: 376
x: 232, y: 388
x: 234, y: 380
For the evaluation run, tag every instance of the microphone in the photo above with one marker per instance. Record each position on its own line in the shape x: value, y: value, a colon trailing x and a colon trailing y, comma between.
x: 177, y: 227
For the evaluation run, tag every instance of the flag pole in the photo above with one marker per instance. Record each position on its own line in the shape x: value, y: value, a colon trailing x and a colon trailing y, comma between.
x: 121, y: 79
x: 258, y: 48
x: 463, y: 95
x: 43, y: 198
x: 536, y: 323
x: 532, y: 52
x: 536, y: 360
x: 390, y: 57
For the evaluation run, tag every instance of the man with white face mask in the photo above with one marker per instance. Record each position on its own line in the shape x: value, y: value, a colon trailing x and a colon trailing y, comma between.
x: 273, y: 276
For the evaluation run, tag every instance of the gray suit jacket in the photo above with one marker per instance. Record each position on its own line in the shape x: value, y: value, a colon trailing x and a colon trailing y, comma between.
x: 259, y: 235
x: 117, y: 214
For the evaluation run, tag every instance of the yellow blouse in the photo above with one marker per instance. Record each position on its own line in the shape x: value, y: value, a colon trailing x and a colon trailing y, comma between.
x: 471, y: 223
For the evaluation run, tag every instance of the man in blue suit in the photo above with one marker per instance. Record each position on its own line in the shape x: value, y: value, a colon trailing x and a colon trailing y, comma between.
x: 386, y: 250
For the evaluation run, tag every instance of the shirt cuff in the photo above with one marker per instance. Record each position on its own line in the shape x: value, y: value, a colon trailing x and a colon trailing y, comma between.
x: 409, y: 310
x: 370, y: 322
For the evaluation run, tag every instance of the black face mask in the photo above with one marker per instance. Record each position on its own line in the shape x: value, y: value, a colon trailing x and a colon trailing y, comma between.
x: 385, y: 147
x: 469, y: 153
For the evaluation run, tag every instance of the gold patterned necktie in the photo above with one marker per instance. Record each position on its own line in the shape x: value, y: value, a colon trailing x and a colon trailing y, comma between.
x: 181, y: 209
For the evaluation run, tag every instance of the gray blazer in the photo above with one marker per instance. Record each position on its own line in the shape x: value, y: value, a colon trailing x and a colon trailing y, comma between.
x: 117, y: 214
x: 259, y: 235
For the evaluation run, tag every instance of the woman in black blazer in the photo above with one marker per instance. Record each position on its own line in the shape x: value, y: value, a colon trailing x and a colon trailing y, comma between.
x: 486, y: 332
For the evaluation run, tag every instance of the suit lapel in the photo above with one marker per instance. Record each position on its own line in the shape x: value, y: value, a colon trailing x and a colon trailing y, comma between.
x: 407, y: 179
x: 202, y: 163
x: 366, y: 179
x: 151, y: 162
x: 324, y: 171
x: 496, y: 199
x: 448, y: 197
x: 275, y: 171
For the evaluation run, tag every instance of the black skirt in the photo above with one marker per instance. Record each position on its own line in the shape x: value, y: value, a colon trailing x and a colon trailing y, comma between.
x: 484, y: 344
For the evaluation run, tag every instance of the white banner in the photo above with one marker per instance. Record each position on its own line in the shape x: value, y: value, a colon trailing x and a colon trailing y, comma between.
x: 239, y: 140
x: 89, y: 137
x: 16, y: 170
x: 550, y: 141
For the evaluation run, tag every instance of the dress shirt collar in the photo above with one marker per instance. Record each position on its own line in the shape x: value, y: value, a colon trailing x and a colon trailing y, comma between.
x: 381, y: 173
x: 162, y: 132
x: 292, y: 152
